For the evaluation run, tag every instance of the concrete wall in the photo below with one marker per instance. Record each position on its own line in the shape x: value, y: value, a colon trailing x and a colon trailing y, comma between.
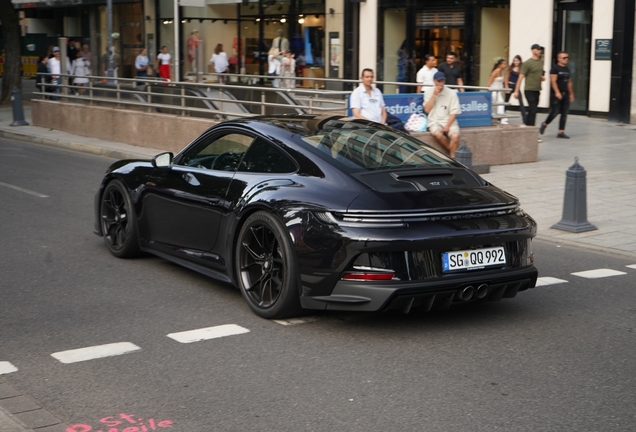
x: 492, y: 145
x: 496, y: 145
x: 152, y: 130
x: 601, y: 70
x: 394, y: 35
x: 530, y: 23
x: 368, y: 37
x: 495, y: 28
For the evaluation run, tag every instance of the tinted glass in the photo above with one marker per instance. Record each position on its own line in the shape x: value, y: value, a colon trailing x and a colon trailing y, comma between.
x: 370, y: 149
x: 263, y: 157
x: 222, y: 153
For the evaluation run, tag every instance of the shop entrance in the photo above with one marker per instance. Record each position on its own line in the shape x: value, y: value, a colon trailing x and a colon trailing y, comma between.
x: 439, y: 42
x: 574, y: 35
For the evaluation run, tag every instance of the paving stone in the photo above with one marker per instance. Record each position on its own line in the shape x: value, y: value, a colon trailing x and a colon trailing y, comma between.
x: 38, y: 419
x: 19, y: 404
x: 7, y: 391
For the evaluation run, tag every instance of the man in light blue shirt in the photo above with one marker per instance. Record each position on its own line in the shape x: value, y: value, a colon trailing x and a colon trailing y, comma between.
x: 141, y: 64
x: 366, y: 101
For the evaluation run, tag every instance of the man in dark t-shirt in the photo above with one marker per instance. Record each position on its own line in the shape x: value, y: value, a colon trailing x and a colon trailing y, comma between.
x: 561, y: 94
x: 452, y: 70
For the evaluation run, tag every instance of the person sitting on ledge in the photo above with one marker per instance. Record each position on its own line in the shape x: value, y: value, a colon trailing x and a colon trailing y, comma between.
x: 441, y: 105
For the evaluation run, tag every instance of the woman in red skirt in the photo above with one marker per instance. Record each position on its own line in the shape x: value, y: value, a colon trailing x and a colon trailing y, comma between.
x: 163, y: 63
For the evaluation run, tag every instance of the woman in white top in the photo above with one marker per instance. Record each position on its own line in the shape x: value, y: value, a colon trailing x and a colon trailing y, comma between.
x: 496, y: 81
x: 273, y: 68
x: 288, y: 70
x: 220, y: 62
x: 163, y: 63
x: 78, y: 69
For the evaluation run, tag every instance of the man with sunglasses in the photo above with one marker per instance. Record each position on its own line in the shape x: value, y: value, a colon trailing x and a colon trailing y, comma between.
x: 561, y: 94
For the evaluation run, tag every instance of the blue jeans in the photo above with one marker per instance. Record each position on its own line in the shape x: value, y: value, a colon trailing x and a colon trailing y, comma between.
x: 56, y: 86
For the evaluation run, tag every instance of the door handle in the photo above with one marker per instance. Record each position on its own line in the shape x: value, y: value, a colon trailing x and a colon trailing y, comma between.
x: 191, y: 179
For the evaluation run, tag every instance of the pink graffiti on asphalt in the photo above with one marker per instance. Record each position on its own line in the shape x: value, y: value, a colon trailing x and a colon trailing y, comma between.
x: 122, y: 423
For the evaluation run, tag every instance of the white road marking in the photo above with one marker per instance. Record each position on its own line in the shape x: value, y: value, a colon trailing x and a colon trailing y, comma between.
x: 208, y: 333
x: 95, y: 352
x: 294, y: 321
x: 547, y: 280
x: 6, y: 367
x: 598, y: 273
x: 633, y: 266
x: 30, y: 192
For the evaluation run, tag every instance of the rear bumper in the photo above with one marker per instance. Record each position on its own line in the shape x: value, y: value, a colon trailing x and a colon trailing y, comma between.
x: 425, y: 295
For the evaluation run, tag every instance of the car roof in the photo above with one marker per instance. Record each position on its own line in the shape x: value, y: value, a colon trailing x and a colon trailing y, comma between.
x: 308, y: 125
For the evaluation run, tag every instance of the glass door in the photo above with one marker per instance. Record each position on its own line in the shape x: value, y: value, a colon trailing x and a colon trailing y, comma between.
x: 574, y: 26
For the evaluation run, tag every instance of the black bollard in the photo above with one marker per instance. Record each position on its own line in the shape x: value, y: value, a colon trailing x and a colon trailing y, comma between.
x: 18, y: 112
x: 575, y: 203
x: 464, y: 156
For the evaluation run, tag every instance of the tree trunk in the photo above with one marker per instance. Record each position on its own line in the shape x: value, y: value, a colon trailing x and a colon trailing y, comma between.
x: 11, y: 37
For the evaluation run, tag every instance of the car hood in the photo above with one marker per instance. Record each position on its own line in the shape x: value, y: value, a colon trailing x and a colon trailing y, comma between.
x: 428, y: 190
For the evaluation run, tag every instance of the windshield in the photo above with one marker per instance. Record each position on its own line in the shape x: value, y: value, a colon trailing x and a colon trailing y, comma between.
x: 370, y: 149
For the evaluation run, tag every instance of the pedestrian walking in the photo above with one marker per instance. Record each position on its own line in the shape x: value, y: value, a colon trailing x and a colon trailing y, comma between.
x: 288, y: 70
x: 141, y: 65
x: 496, y: 81
x: 366, y: 101
x: 42, y: 78
x: 220, y: 62
x: 273, y: 66
x: 532, y: 72
x: 512, y: 76
x: 561, y: 94
x: 55, y: 69
x: 452, y: 70
x: 425, y: 75
x: 441, y: 105
x: 79, y: 69
x: 163, y: 63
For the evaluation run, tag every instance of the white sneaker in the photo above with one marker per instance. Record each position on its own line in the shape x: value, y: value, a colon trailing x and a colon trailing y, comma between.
x: 504, y: 121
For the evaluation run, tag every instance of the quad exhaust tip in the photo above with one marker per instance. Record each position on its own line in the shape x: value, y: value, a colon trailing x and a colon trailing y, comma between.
x: 470, y: 292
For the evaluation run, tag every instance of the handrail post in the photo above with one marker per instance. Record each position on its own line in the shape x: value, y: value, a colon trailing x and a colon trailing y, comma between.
x: 220, y: 100
x: 311, y: 104
x: 263, y: 103
x: 90, y: 91
x: 149, y: 101
x: 118, y: 94
x: 182, y: 100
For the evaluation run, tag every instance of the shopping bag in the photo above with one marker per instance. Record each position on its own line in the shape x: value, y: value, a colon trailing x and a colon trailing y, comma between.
x: 416, y: 123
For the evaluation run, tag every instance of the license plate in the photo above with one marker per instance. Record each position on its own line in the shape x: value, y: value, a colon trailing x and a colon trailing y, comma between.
x: 473, y: 259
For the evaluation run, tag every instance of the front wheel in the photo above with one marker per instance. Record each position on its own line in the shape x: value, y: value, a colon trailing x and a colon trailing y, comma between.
x: 119, y: 226
x: 267, y: 269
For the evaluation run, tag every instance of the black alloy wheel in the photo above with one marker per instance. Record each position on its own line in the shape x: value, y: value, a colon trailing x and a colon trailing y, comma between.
x: 119, y: 226
x: 267, y: 270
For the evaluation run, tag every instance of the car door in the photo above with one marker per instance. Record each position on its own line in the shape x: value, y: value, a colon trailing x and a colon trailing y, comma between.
x: 184, y: 204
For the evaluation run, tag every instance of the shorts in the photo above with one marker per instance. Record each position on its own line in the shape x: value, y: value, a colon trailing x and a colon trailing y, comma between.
x: 434, y: 127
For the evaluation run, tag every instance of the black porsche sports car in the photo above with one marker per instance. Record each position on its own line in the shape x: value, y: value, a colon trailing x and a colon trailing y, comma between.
x: 321, y: 212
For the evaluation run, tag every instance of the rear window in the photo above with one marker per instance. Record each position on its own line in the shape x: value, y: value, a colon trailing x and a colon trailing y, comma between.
x: 370, y: 149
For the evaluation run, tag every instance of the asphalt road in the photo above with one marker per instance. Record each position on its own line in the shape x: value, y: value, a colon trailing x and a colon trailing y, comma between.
x: 558, y: 357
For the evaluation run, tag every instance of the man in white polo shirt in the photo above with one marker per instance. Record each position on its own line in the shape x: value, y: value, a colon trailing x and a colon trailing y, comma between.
x: 441, y: 105
x: 366, y: 101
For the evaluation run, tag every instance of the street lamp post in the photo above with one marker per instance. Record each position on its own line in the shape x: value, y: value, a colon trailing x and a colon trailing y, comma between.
x: 109, y: 29
x: 176, y: 40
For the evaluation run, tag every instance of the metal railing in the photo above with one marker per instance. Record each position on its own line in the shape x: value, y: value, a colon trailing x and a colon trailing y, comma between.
x: 218, y: 99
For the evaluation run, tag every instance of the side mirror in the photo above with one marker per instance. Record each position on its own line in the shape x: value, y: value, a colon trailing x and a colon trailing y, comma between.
x: 162, y: 160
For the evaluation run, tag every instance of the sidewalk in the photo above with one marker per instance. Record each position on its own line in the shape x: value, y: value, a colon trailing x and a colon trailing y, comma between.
x: 606, y: 151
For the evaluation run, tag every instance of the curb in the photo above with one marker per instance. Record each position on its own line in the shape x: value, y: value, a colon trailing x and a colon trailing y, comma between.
x: 73, y: 146
x: 20, y: 413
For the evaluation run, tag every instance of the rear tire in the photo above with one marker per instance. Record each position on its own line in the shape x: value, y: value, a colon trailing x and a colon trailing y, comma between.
x: 119, y: 222
x: 267, y: 272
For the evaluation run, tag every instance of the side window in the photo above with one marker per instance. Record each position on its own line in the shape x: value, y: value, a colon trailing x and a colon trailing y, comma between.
x: 222, y: 153
x: 263, y: 157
